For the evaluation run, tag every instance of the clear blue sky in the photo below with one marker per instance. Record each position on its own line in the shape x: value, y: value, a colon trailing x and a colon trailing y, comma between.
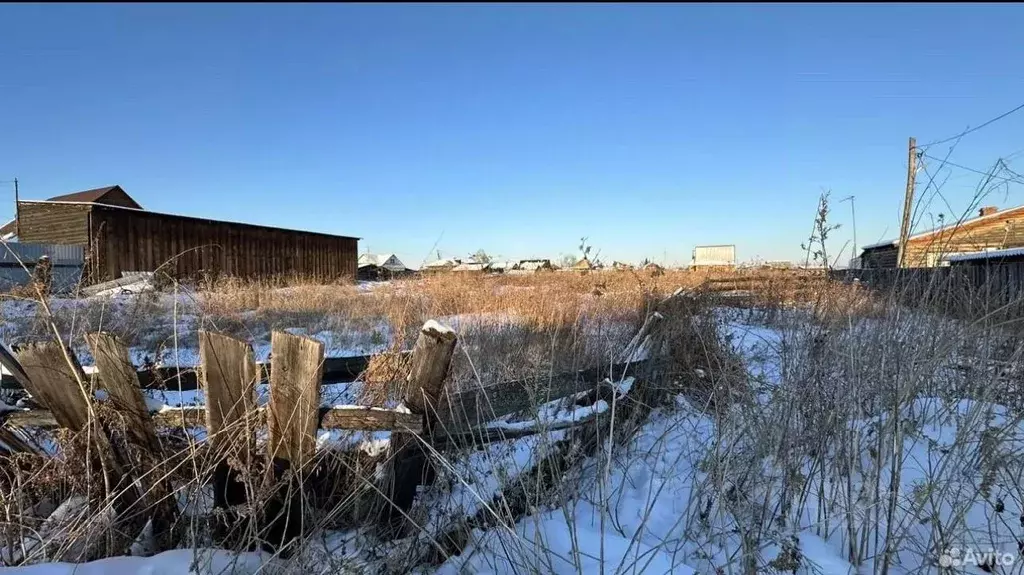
x: 516, y: 129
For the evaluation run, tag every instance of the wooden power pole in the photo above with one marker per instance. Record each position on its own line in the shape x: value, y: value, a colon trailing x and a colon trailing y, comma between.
x: 17, y: 211
x: 908, y: 202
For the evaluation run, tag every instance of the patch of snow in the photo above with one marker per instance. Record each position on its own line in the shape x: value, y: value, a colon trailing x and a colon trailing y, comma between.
x: 176, y: 562
x: 434, y: 325
x: 552, y: 420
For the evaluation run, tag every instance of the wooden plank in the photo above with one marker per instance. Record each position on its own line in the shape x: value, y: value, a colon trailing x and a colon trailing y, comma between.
x: 370, y: 419
x: 57, y: 384
x: 295, y: 377
x: 228, y: 376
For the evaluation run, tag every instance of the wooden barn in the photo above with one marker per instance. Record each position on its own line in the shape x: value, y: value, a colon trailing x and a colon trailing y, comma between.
x: 991, y: 229
x: 120, y: 236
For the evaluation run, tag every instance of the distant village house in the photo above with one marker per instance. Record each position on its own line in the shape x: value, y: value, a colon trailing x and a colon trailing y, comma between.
x: 377, y: 267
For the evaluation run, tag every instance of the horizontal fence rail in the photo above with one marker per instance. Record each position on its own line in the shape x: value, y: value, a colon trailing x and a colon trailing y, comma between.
x: 336, y: 370
x: 125, y: 435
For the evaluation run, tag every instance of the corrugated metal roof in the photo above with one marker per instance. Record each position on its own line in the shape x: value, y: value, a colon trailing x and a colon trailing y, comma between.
x: 986, y: 255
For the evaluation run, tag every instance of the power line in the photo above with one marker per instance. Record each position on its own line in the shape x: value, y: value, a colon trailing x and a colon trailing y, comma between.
x: 975, y: 129
x: 979, y: 172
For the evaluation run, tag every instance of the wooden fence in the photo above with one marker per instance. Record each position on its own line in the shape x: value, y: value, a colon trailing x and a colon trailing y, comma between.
x: 962, y: 290
x: 430, y: 415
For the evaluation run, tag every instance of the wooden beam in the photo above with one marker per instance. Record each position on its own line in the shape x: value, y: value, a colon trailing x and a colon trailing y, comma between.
x: 471, y: 408
x: 336, y: 370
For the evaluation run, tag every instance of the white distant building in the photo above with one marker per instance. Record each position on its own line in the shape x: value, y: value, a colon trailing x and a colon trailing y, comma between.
x: 720, y: 256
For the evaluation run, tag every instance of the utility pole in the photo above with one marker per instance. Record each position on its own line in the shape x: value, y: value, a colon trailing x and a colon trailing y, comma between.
x: 17, y: 211
x: 908, y: 202
x: 853, y: 215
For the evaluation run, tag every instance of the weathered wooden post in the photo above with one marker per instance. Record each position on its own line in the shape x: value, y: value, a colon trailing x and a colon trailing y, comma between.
x: 408, y: 464
x: 228, y: 378
x: 295, y: 378
x: 118, y: 377
x: 56, y: 380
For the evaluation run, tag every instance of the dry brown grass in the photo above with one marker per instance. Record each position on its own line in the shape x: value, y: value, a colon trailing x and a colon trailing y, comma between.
x: 546, y: 299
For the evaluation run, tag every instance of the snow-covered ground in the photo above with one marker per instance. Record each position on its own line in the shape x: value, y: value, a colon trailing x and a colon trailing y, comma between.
x: 696, y: 492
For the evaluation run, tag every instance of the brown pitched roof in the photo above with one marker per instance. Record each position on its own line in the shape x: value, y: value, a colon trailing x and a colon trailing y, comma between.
x: 89, y: 196
x: 94, y: 196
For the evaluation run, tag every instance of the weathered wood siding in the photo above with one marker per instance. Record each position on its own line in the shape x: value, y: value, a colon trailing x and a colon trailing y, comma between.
x: 1005, y: 231
x: 995, y: 233
x: 877, y: 258
x: 66, y: 224
x: 135, y: 240
x: 120, y: 240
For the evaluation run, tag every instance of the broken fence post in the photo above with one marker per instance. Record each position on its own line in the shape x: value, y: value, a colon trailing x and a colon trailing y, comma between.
x: 295, y: 377
x: 408, y: 466
x: 228, y: 378
x: 121, y: 383
x: 56, y: 380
